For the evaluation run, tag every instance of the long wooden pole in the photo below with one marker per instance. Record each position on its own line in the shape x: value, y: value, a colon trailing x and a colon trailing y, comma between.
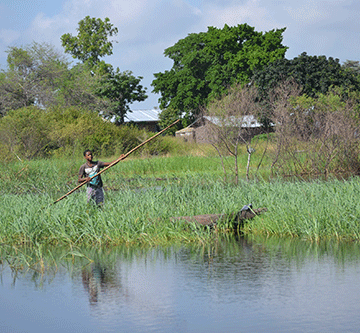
x: 122, y: 157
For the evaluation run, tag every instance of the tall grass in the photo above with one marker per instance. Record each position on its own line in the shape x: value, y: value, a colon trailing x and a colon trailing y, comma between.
x: 307, y: 210
x: 143, y: 193
x: 57, y: 176
x: 311, y: 210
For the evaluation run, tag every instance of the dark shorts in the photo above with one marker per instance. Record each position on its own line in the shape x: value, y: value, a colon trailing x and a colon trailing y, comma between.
x: 95, y: 194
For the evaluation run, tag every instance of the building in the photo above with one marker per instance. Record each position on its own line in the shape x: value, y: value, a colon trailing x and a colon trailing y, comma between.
x: 199, y: 130
x: 148, y: 119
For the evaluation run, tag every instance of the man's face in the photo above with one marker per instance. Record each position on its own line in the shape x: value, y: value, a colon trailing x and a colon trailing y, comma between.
x: 88, y: 156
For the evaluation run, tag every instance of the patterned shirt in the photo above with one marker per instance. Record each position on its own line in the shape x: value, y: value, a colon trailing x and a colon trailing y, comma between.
x: 87, y: 171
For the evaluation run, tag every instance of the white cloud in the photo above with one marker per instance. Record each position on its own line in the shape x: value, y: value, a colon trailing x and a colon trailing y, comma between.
x: 8, y: 36
x: 251, y: 12
x: 122, y: 12
x: 308, y: 12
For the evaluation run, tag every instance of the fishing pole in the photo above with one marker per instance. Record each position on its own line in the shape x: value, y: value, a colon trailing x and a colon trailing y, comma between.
x: 122, y: 157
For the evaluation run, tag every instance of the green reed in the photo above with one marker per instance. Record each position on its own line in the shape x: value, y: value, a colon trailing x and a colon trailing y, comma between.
x: 309, y: 210
x: 59, y: 175
x: 142, y: 195
x: 312, y: 210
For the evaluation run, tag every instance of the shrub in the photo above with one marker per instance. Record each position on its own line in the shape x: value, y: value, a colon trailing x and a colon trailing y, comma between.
x: 25, y: 132
x: 31, y: 132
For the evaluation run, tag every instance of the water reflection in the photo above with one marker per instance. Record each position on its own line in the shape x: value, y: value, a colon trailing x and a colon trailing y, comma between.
x: 100, y: 282
x: 233, y: 284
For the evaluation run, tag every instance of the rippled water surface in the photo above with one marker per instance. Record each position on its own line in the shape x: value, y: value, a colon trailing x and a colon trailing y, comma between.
x: 234, y: 285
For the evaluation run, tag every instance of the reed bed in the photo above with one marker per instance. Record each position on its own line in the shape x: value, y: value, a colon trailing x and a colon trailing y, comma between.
x: 57, y: 176
x: 313, y: 210
x: 142, y: 194
x: 130, y: 216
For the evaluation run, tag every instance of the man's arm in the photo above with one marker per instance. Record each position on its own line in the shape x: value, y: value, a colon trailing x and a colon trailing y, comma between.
x: 108, y: 163
x: 81, y: 178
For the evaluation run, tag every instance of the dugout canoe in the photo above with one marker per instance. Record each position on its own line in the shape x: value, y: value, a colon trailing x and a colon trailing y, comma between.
x: 211, y: 220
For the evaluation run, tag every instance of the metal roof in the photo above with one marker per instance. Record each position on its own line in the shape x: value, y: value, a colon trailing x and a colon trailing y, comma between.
x: 138, y: 116
x: 244, y: 121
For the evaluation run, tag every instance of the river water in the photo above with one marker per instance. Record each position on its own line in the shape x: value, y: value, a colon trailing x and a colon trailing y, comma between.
x: 233, y: 285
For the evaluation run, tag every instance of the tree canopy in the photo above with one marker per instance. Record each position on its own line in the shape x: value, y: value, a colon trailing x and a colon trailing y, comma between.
x: 206, y: 64
x: 92, y: 41
x: 33, y: 77
x: 116, y: 89
x: 120, y: 89
x: 315, y: 75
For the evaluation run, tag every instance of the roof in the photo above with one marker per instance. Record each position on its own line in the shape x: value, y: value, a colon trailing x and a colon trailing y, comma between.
x: 138, y: 116
x: 185, y: 130
x: 245, y: 121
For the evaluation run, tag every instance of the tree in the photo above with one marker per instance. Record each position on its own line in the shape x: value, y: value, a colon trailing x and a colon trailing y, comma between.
x: 33, y: 76
x: 206, y: 64
x: 352, y: 65
x: 78, y: 88
x: 91, y: 42
x: 167, y: 117
x: 115, y: 88
x: 315, y: 74
x: 119, y: 89
x: 229, y: 128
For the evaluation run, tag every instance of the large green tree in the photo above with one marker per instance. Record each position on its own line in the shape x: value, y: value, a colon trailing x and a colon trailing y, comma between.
x: 206, y: 64
x: 92, y: 41
x: 119, y: 89
x: 314, y: 74
x: 116, y: 89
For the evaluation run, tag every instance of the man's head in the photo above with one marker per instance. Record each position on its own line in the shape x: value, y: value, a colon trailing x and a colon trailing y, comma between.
x: 88, y: 155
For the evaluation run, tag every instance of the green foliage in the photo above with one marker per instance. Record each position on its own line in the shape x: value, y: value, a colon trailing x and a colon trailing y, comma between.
x: 77, y: 89
x: 115, y: 89
x: 33, y: 77
x: 352, y: 65
x: 25, y: 132
x: 120, y: 89
x: 91, y: 42
x: 207, y: 63
x: 31, y: 132
x: 167, y: 117
x: 314, y: 74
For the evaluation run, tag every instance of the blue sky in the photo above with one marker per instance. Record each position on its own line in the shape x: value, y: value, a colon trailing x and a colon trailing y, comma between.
x: 147, y: 27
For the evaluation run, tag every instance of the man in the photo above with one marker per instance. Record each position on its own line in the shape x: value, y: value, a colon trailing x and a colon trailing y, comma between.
x: 94, y: 189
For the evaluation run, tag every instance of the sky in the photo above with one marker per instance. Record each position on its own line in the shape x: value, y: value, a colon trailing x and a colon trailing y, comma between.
x: 148, y: 27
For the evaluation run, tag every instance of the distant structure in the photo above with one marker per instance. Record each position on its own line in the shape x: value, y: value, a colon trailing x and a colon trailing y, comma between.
x: 198, y: 131
x: 148, y: 119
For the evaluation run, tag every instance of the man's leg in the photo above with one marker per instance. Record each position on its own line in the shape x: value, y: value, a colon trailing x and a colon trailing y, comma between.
x: 99, y: 196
